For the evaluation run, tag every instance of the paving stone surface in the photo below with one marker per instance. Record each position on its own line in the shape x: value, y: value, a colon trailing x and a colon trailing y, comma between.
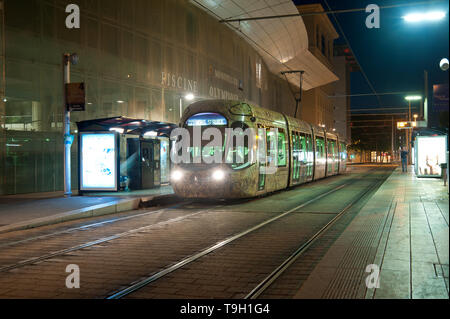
x: 403, y: 230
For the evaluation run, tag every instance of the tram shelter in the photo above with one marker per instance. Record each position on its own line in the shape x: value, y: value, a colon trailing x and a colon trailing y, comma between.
x: 121, y: 153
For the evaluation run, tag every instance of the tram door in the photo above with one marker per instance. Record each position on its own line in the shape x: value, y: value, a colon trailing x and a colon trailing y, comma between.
x: 262, y: 158
x: 150, y: 164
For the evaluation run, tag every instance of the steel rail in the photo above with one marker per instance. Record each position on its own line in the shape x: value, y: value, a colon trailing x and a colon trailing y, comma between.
x: 267, y: 282
x: 34, y: 260
x: 143, y: 282
x: 96, y: 224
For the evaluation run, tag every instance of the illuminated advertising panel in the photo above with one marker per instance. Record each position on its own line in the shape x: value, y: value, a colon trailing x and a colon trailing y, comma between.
x: 430, y: 153
x: 98, y: 162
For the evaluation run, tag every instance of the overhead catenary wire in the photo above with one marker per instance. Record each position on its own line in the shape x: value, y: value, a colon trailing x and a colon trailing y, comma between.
x: 234, y: 19
x: 353, y: 53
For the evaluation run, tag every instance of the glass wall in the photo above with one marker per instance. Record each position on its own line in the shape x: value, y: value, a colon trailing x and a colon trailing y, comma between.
x: 138, y: 58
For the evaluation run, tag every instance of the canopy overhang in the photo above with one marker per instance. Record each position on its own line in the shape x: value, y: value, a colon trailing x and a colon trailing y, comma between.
x: 281, y: 42
x: 129, y: 126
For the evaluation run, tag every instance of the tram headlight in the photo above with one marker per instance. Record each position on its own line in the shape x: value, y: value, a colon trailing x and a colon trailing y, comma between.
x: 177, y: 175
x: 218, y: 175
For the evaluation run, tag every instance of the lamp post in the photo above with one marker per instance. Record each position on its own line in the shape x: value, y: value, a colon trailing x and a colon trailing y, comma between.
x: 68, y: 59
x: 187, y: 97
x: 410, y: 98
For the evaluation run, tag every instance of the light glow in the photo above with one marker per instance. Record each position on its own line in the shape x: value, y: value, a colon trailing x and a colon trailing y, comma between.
x: 177, y: 175
x: 189, y: 97
x: 151, y: 134
x: 218, y: 175
x: 117, y: 129
x: 413, y: 97
x: 428, y: 16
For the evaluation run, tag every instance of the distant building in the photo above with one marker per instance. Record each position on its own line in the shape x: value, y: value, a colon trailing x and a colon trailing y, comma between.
x: 344, y: 64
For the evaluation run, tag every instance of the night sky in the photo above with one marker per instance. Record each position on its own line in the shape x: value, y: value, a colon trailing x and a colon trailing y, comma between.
x: 394, y: 56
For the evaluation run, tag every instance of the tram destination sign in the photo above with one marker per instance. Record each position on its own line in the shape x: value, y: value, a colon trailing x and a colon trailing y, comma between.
x: 75, y: 97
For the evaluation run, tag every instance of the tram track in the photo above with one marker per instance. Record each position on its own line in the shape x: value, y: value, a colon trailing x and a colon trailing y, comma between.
x: 140, y: 284
x: 59, y: 252
x: 272, y: 277
x: 85, y: 227
x: 35, y: 260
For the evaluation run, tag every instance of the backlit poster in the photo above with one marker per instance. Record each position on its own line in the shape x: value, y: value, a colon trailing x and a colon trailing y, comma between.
x: 430, y: 153
x: 98, y: 160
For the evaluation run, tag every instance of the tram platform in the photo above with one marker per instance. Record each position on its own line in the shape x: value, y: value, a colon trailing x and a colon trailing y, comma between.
x: 402, y: 232
x: 20, y: 212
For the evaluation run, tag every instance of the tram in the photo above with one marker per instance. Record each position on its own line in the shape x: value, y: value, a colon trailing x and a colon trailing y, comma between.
x: 304, y: 152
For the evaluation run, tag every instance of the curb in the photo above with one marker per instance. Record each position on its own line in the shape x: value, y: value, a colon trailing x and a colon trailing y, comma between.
x: 114, y: 207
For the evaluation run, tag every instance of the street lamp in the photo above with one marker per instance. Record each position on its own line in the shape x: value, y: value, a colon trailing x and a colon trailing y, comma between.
x: 187, y: 97
x: 68, y: 59
x: 413, y: 97
x: 444, y: 64
x: 410, y: 98
x: 427, y: 16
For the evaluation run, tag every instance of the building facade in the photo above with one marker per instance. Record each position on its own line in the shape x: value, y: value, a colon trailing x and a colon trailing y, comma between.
x: 317, y: 105
x: 138, y: 58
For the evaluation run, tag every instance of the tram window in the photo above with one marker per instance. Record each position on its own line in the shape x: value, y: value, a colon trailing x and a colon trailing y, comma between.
x: 281, y: 148
x: 320, y: 148
x: 198, y: 153
x: 303, y: 149
x: 332, y: 149
x: 237, y: 155
x: 343, y: 152
x: 271, y: 140
x: 335, y: 150
x: 296, y: 155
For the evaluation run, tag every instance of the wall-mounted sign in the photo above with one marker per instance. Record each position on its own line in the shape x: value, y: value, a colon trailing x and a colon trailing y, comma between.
x: 179, y: 82
x: 75, y: 96
x: 222, y: 94
x: 98, y: 162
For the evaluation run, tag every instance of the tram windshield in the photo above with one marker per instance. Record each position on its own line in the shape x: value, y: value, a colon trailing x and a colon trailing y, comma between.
x: 210, y: 143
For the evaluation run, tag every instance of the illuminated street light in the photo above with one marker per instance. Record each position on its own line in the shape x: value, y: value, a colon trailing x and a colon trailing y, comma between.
x: 413, y: 97
x: 428, y: 16
x: 189, y: 97
x: 151, y: 134
x: 117, y: 129
x: 444, y: 64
